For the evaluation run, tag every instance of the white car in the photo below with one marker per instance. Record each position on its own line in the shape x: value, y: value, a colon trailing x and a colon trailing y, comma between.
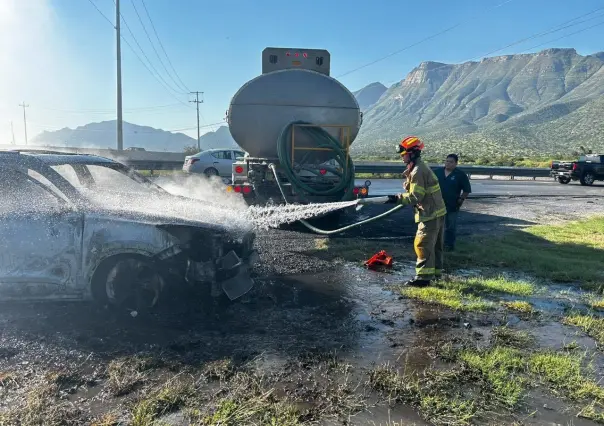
x: 212, y: 162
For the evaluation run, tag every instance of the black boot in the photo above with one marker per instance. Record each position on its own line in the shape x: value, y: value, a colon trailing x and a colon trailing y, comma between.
x: 418, y: 282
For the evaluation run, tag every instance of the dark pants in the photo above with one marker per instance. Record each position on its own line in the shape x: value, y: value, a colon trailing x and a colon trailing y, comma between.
x: 450, y: 229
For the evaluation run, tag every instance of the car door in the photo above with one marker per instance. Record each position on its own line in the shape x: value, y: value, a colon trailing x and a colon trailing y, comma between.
x: 225, y: 163
x: 41, y: 240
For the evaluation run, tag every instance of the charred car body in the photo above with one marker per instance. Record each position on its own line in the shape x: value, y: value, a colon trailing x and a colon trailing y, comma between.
x: 58, y: 243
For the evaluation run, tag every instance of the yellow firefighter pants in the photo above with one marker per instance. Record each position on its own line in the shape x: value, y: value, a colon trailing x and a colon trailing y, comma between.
x: 428, y: 245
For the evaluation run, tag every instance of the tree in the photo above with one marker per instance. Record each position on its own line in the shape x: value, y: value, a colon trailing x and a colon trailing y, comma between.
x: 191, y: 150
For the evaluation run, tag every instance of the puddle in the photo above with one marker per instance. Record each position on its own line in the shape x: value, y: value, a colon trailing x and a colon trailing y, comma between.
x: 347, y: 310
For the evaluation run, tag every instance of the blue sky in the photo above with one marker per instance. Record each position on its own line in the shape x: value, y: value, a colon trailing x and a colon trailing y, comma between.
x: 59, y: 55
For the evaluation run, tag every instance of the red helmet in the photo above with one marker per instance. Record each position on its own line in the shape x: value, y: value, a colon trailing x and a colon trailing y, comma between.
x: 410, y: 143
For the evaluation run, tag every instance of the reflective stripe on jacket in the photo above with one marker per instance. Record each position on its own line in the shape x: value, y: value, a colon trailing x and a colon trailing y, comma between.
x: 423, y: 193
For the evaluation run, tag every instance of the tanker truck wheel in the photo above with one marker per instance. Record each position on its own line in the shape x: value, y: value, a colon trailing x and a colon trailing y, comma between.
x: 210, y: 171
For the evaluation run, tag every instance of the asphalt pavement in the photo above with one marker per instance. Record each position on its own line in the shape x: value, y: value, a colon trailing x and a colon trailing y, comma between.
x: 500, y: 187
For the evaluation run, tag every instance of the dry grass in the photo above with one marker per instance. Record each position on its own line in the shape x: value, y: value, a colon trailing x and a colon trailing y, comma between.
x: 125, y: 374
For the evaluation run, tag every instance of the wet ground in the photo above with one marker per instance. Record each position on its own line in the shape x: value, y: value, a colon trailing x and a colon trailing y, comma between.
x: 305, y: 313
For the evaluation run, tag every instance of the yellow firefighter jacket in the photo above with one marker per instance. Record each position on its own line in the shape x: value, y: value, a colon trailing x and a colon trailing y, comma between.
x: 423, y: 193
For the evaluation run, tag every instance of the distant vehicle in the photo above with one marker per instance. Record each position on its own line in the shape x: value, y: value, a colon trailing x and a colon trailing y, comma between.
x: 212, y: 162
x: 67, y: 242
x: 134, y: 148
x: 586, y: 170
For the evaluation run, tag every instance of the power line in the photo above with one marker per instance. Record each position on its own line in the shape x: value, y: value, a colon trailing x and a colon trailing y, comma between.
x: 564, y: 36
x: 162, y: 46
x: 422, y: 40
x: 146, y: 57
x: 550, y: 30
x: 137, y: 56
x: 101, y: 13
x: 153, y: 45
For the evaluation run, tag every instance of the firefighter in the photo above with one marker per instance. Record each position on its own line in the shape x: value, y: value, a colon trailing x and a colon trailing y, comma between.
x: 423, y: 193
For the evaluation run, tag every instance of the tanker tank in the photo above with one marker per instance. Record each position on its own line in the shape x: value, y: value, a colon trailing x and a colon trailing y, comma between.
x: 262, y: 108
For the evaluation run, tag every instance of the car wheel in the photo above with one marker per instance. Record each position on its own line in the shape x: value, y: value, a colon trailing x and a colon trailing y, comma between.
x: 211, y: 171
x: 128, y: 282
x: 587, y: 179
x: 563, y: 180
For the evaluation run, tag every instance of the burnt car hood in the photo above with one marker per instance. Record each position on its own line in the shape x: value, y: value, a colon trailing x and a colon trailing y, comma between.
x: 181, y: 211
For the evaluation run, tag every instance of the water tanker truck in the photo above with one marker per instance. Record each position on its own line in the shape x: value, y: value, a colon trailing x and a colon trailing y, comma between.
x: 296, y: 124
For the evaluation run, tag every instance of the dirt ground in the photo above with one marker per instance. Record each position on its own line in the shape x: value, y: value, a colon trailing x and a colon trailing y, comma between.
x: 320, y: 340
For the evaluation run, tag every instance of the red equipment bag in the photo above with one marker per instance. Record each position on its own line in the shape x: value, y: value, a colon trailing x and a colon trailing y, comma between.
x: 378, y: 260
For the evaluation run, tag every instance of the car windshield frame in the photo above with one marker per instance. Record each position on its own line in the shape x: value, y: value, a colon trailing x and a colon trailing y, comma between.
x: 83, y: 174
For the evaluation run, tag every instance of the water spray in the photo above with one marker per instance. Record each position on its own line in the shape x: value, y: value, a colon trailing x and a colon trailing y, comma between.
x: 359, y: 203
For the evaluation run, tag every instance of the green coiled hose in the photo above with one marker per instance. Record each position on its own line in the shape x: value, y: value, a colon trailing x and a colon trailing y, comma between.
x: 323, y: 140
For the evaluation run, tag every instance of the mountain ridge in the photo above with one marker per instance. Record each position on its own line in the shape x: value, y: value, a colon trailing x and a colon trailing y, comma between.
x: 503, y: 103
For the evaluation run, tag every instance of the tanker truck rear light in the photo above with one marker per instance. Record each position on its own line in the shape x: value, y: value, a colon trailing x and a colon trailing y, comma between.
x: 323, y: 171
x: 247, y: 189
x: 574, y: 166
x: 355, y: 191
x: 237, y: 189
x: 229, y: 188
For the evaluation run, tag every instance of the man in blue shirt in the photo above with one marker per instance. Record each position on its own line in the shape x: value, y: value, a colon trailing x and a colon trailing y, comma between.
x: 455, y: 188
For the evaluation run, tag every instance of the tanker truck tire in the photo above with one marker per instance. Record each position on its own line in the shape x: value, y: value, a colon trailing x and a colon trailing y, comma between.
x: 210, y: 171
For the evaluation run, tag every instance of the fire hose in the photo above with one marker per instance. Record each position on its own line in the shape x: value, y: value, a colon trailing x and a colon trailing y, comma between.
x: 375, y: 200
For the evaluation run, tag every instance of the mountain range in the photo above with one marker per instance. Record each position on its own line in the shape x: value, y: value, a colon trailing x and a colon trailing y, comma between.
x: 546, y: 103
x: 104, y: 135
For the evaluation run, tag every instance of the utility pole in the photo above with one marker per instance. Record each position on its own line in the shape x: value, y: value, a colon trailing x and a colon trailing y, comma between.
x: 197, y: 101
x: 120, y: 134
x: 12, y: 131
x: 24, y: 119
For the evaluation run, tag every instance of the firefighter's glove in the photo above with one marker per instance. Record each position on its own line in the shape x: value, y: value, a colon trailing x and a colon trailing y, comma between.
x: 392, y: 199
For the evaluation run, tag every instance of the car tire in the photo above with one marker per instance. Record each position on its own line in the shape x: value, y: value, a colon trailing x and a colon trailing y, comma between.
x: 128, y: 282
x: 587, y: 179
x: 563, y: 180
x: 210, y: 171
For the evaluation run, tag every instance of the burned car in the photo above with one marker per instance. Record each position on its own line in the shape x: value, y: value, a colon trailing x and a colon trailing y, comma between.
x: 83, y: 227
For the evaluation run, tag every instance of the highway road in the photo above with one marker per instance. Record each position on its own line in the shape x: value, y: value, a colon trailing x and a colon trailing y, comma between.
x: 500, y: 187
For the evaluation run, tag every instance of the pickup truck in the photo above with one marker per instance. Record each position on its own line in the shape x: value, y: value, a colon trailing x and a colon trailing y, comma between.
x: 586, y: 170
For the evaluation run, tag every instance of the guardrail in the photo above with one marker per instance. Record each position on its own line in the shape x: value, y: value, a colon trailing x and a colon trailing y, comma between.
x: 155, y: 161
x: 392, y: 167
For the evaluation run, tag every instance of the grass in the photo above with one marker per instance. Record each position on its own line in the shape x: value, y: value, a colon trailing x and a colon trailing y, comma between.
x: 42, y: 406
x: 519, y: 306
x: 501, y: 369
x: 482, y: 285
x: 505, y: 336
x: 247, y: 399
x: 464, y: 294
x: 450, y: 298
x: 169, y: 398
x: 593, y: 326
x: 125, y: 374
x: 572, y: 252
x: 435, y: 393
x: 597, y: 303
x: 563, y: 372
